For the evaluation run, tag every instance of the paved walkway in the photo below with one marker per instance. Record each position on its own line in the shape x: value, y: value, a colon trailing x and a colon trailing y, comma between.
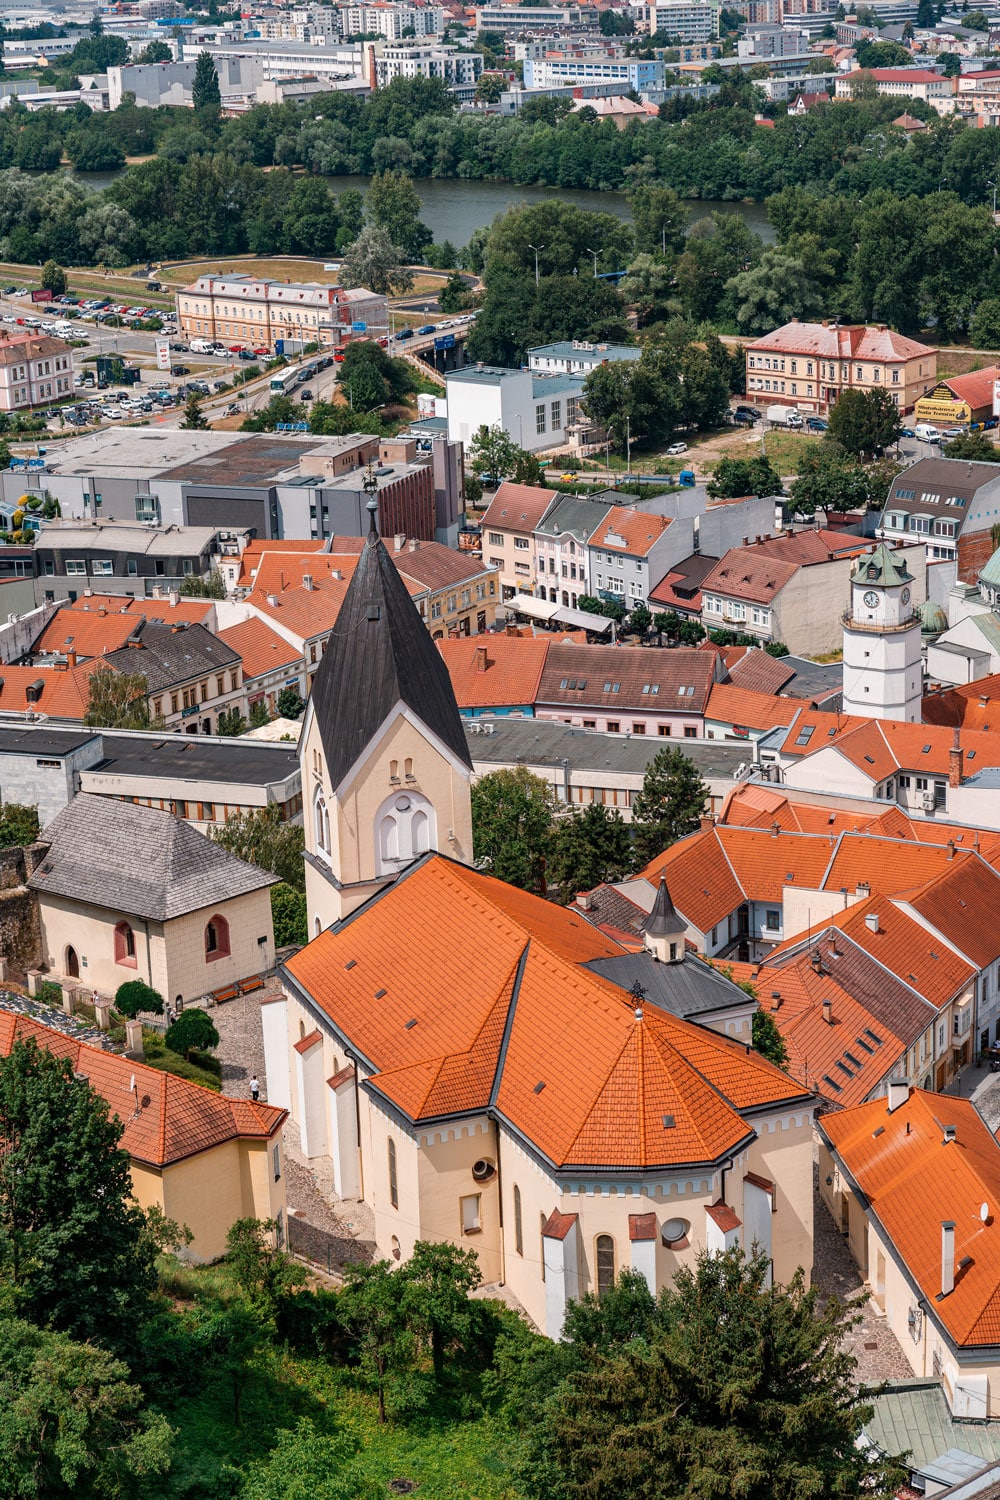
x: 872, y: 1343
x: 57, y: 1019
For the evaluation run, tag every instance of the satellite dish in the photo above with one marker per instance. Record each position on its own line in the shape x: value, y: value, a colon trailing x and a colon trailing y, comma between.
x: 984, y: 1212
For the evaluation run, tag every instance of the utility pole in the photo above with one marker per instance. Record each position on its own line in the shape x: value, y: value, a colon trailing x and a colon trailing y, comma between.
x: 537, y: 249
x: 594, y: 253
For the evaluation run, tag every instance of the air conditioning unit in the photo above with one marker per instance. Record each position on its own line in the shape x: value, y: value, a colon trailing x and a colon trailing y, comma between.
x: 928, y: 801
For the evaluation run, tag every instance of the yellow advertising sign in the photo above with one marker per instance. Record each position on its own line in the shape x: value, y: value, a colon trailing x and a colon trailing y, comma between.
x: 942, y: 408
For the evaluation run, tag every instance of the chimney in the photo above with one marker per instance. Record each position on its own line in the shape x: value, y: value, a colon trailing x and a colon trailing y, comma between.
x: 951, y: 848
x: 947, y: 1256
x: 950, y: 1132
x: 307, y: 582
x: 398, y: 541
x: 414, y: 544
x: 272, y: 600
x: 862, y: 888
x: 585, y: 900
x: 871, y: 921
x: 898, y: 1093
x: 101, y: 611
x: 816, y: 959
x: 828, y: 1012
x: 157, y: 591
x: 336, y: 575
x: 174, y: 598
x: 481, y: 660
x: 70, y: 660
x: 956, y: 762
x: 775, y: 830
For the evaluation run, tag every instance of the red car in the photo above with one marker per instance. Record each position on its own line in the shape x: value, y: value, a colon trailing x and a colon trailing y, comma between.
x: 338, y: 359
x: 383, y: 343
x: 235, y: 348
x: 262, y: 351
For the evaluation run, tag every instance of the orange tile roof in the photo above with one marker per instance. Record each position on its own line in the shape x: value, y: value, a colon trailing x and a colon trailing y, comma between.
x: 584, y: 1080
x: 177, y: 1118
x: 517, y: 507
x: 714, y: 871
x: 85, y: 632
x: 906, y: 949
x: 260, y: 648
x: 837, y: 341
x: 639, y: 530
x: 306, y: 612
x: 745, y: 573
x: 743, y: 709
x: 887, y: 865
x: 973, y: 705
x: 495, y: 671
x: 260, y: 547
x: 194, y: 611
x: 962, y: 901
x: 702, y: 884
x: 760, y: 672
x: 64, y: 693
x: 913, y: 1182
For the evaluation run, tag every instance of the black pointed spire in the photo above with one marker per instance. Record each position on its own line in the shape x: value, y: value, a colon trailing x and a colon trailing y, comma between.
x: 663, y: 919
x: 380, y: 653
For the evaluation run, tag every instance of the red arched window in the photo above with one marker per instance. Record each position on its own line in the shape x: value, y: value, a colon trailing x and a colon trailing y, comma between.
x: 125, y: 945
x: 217, y: 939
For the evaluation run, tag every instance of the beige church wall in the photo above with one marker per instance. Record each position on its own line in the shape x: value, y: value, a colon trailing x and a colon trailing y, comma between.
x: 783, y: 1153
x: 396, y: 1228
x: 204, y: 1192
x: 91, y: 932
x: 188, y: 971
x: 445, y: 1177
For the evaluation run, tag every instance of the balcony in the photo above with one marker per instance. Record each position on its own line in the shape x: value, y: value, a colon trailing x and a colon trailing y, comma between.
x: 874, y: 627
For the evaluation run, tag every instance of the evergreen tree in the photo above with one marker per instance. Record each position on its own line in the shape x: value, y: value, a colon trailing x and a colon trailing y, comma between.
x: 205, y: 91
x: 73, y: 1243
x: 193, y: 421
x: 670, y: 805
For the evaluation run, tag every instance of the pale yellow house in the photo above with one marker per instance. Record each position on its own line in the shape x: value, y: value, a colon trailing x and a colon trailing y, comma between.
x: 913, y: 1182
x: 457, y: 1048
x: 130, y: 892
x: 202, y: 1159
x: 507, y: 534
x: 809, y: 365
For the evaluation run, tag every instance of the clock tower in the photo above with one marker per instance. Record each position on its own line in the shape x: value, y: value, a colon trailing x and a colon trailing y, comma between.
x: 883, y: 669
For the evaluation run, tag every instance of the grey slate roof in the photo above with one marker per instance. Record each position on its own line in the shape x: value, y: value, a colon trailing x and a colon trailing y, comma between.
x: 380, y: 653
x: 914, y: 1416
x: 170, y: 654
x: 138, y: 860
x: 663, y: 919
x: 689, y: 989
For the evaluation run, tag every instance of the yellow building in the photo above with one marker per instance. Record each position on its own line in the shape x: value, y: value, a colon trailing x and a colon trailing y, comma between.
x: 468, y: 1056
x: 257, y: 312
x: 130, y: 892
x: 202, y: 1159
x: 808, y: 365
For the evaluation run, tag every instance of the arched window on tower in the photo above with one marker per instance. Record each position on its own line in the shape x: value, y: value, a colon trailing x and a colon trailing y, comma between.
x: 125, y: 946
x: 217, y: 939
x: 405, y: 827
x: 321, y: 822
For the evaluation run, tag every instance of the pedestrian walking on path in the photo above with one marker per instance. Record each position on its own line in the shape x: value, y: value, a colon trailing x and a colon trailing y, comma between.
x: 254, y: 1089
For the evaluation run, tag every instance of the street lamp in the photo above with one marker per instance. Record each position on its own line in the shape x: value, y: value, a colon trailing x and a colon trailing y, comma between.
x: 994, y: 187
x: 594, y: 253
x: 537, y: 249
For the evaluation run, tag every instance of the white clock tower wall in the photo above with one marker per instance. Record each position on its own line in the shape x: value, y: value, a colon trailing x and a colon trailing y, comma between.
x: 883, y: 668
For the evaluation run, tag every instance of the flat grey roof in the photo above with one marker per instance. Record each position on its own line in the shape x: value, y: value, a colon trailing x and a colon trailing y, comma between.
x: 690, y: 988
x: 543, y: 742
x: 112, y: 536
x: 24, y: 739
x: 813, y: 679
x: 193, y: 757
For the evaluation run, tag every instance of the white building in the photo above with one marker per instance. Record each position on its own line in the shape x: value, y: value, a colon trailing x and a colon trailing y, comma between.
x: 550, y: 72
x: 577, y: 357
x: 391, y: 21
x: 343, y: 66
x: 534, y: 410
x: 883, y: 672
x: 33, y: 370
x: 506, y: 18
x: 688, y: 20
x: 452, y: 64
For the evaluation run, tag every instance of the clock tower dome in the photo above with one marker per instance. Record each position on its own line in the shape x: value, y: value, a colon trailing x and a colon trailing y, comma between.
x: 883, y: 669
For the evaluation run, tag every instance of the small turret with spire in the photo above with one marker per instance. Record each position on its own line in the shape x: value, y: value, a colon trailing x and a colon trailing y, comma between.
x: 664, y: 929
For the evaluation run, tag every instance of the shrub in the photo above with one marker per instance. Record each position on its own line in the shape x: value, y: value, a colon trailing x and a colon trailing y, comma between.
x: 288, y: 909
x: 191, y: 1032
x: 49, y: 993
x: 134, y: 996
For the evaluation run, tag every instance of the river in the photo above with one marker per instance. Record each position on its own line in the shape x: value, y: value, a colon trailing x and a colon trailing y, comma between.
x: 455, y: 207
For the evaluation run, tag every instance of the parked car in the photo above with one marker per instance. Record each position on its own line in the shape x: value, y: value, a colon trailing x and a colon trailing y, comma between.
x: 817, y: 424
x: 907, y: 432
x: 953, y: 432
x: 179, y: 370
x: 676, y: 449
x: 247, y: 354
x: 306, y: 395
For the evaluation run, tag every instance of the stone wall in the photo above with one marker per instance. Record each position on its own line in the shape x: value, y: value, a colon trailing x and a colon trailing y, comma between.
x: 20, y: 928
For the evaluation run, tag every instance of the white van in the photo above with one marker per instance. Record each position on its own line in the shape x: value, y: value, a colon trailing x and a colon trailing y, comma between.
x: 927, y: 432
x: 201, y: 346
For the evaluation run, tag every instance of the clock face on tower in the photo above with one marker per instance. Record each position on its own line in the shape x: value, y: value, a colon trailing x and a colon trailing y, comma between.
x: 905, y: 596
x: 871, y: 599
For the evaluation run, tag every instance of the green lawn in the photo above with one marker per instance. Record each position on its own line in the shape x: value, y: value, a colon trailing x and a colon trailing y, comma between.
x: 786, y: 450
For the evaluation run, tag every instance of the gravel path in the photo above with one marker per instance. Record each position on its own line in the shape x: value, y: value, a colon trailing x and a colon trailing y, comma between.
x: 56, y: 1019
x: 241, y: 1042
x: 872, y: 1343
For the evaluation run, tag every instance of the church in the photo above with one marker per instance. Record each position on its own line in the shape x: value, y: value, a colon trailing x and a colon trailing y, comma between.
x: 468, y: 1055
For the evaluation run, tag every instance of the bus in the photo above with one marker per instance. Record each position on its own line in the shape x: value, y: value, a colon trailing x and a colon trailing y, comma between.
x: 285, y: 381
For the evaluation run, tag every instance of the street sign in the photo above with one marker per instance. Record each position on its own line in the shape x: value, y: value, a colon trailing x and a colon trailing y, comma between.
x: 163, y: 354
x: 359, y: 327
x: 447, y: 341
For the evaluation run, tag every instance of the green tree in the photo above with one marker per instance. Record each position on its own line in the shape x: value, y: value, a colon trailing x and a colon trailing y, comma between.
x: 155, y: 52
x: 828, y: 480
x: 212, y: 587
x: 365, y: 372
x: 289, y: 703
x: 72, y: 1423
x: 263, y: 1273
x: 736, y: 477
x: 511, y: 818
x: 230, y: 1337
x: 19, y: 825
x: 54, y: 278
x: 263, y: 838
x: 193, y: 421
x: 438, y: 1281
x: 231, y: 724
x: 780, y: 287
x: 635, y: 400
x: 393, y: 204
x: 975, y: 446
x: 205, y: 91
x: 304, y: 1464
x: 375, y: 262
x: 976, y: 20
x: 490, y: 87
x: 767, y: 1039
x: 73, y: 1243
x: 864, y: 421
x: 984, y: 327
x: 659, y: 219
x: 260, y: 714
x: 704, y: 1402
x: 452, y: 296
x: 493, y: 453
x: 588, y: 848
x: 193, y: 1031
x: 288, y: 912
x: 372, y: 1306
x: 134, y: 996
x: 670, y: 804
x: 117, y: 700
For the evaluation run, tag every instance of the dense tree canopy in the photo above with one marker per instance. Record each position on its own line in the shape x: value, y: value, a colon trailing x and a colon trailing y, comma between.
x: 670, y: 804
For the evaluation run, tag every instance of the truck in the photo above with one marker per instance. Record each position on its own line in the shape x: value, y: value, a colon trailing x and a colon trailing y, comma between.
x: 784, y: 416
